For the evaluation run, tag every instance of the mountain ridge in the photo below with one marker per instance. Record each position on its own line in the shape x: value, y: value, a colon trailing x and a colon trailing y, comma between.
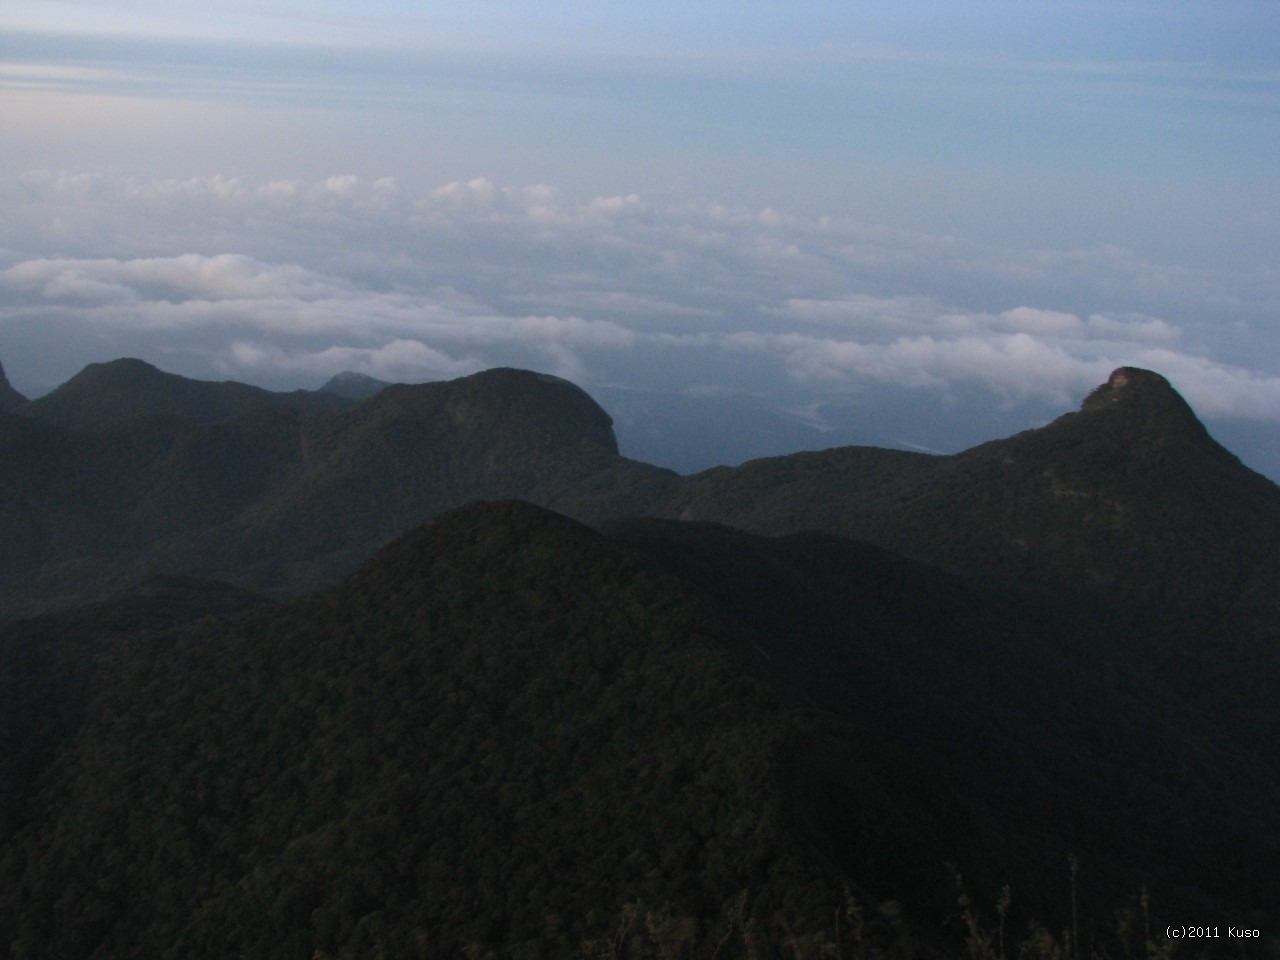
x: 808, y: 673
x: 1071, y: 499
x: 113, y: 394
x: 279, y: 495
x: 316, y: 490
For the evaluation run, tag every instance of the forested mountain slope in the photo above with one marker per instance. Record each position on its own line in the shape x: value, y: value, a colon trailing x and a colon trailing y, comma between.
x: 1128, y: 495
x: 499, y: 732
x: 126, y: 471
x: 507, y: 730
x: 1125, y: 514
x: 507, y: 726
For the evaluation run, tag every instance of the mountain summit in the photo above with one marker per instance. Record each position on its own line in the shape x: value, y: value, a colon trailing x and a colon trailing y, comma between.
x: 534, y: 411
x: 1134, y: 384
x: 1128, y: 499
x: 355, y: 386
x: 1146, y: 400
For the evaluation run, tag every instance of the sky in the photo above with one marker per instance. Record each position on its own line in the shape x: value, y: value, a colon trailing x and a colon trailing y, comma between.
x: 831, y: 215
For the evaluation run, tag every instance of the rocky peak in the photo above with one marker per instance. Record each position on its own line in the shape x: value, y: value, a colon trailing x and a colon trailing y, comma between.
x: 1146, y: 400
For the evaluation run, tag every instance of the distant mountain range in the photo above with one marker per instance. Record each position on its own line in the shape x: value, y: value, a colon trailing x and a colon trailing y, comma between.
x: 751, y: 711
x: 125, y: 471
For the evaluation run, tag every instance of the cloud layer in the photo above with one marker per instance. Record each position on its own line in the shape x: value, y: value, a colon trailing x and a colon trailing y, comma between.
x: 287, y: 282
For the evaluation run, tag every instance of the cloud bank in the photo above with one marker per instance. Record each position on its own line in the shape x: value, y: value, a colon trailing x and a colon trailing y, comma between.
x: 287, y: 282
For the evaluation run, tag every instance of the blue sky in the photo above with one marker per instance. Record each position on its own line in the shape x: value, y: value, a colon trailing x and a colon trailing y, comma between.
x: 812, y: 201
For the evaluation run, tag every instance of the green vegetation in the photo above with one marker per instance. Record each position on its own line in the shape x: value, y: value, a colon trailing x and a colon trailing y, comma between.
x: 507, y: 727
x: 511, y: 734
x: 498, y: 730
x: 126, y: 471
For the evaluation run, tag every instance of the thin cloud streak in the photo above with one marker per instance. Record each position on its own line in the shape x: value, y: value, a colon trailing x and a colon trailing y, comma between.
x: 898, y: 98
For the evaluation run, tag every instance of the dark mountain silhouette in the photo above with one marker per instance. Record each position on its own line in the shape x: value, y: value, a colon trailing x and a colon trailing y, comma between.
x: 9, y: 397
x: 1030, y: 718
x: 354, y: 386
x: 124, y: 392
x: 1127, y: 505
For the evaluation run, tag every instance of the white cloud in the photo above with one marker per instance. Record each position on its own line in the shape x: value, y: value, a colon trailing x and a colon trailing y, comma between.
x: 343, y: 186
x: 615, y: 206
x: 1138, y: 328
x: 863, y: 312
x: 1019, y: 365
x: 573, y: 330
x: 168, y: 287
x: 1047, y: 323
x: 279, y: 280
x: 1215, y: 389
x: 471, y: 196
x: 64, y: 280
x: 393, y: 361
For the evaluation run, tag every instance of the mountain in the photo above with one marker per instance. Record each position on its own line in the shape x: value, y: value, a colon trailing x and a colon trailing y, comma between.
x: 499, y: 732
x: 9, y: 397
x: 352, y: 385
x: 275, y: 497
x: 759, y: 716
x: 509, y: 733
x: 1125, y: 502
x: 124, y: 392
x: 1125, y: 517
x: 1127, y: 506
x: 1127, y: 498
